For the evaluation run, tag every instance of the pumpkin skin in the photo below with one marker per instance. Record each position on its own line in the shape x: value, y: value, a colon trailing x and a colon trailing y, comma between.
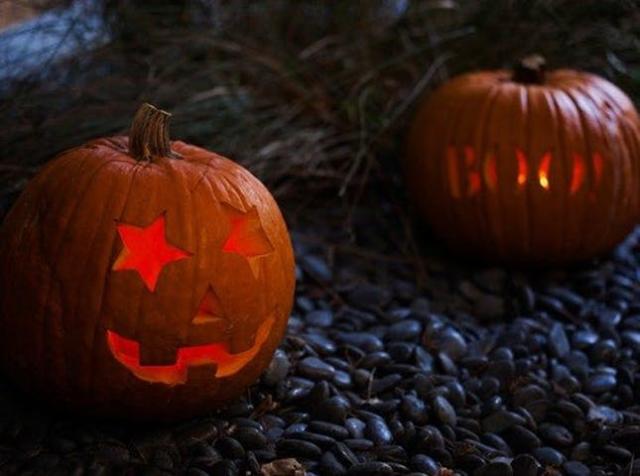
x: 527, y: 169
x: 82, y: 320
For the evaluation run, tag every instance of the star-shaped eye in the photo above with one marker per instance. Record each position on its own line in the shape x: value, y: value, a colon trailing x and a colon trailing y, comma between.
x: 247, y: 237
x: 146, y: 251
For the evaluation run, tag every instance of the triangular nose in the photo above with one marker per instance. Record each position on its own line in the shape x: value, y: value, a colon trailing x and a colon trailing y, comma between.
x: 209, y: 308
x: 209, y: 325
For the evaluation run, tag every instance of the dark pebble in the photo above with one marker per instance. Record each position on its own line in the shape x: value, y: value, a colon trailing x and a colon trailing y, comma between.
x: 584, y: 338
x: 581, y: 451
x: 530, y: 393
x: 321, y: 344
x: 295, y: 428
x: 331, y: 466
x: 444, y: 411
x: 230, y: 448
x: 322, y: 441
x: 314, y: 368
x: 342, y: 379
x: 456, y: 393
x: 525, y: 465
x: 316, y: 267
x: 558, y: 341
x: 549, y: 456
x: 292, y: 447
x: 632, y: 339
x: 576, y: 468
x: 489, y: 386
x: 319, y: 318
x: 225, y: 468
x: 345, y: 454
x: 424, y: 360
x: 414, y: 409
x: 600, y: 383
x: 501, y: 420
x: 250, y: 438
x: 378, y: 431
x: 375, y: 359
x: 113, y: 453
x: 330, y: 429
x: 502, y: 370
x: 522, y: 437
x: 498, y: 468
x: 304, y: 303
x: 447, y: 364
x: 362, y: 340
x: 355, y: 427
x: 278, y: 368
x: 557, y: 435
x: 359, y: 444
x: 385, y: 383
x: 424, y: 464
x: 334, y: 409
x: 609, y: 318
x: 371, y: 468
x: 407, y: 330
x: 617, y: 453
x: 605, y: 350
x: 400, y: 351
x: 190, y: 472
x: 447, y: 341
x: 603, y: 414
x: 162, y: 459
x: 206, y: 456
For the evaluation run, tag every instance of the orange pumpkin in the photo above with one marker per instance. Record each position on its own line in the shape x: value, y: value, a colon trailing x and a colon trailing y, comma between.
x: 526, y: 167
x: 143, y: 278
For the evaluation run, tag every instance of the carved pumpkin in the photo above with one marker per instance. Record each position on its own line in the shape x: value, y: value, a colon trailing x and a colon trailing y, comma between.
x: 143, y: 278
x: 527, y: 167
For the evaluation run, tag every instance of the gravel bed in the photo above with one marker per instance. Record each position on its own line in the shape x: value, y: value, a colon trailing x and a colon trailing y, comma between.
x: 475, y: 371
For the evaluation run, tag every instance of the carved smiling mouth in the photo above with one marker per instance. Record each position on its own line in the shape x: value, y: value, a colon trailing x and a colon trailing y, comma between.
x: 215, y: 356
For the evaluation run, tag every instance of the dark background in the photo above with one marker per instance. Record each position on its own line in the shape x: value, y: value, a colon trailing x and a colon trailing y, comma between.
x: 307, y: 94
x: 449, y: 365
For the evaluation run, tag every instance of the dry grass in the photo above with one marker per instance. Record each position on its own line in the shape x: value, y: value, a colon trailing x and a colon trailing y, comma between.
x: 312, y: 96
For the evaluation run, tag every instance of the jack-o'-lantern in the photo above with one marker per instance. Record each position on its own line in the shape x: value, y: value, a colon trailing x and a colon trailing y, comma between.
x: 525, y: 167
x: 143, y: 278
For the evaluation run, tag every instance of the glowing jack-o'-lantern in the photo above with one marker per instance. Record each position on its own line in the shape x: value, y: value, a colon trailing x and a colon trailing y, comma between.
x: 143, y: 278
x: 527, y: 167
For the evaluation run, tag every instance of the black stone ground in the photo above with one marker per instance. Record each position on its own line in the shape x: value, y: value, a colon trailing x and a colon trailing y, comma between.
x: 475, y: 370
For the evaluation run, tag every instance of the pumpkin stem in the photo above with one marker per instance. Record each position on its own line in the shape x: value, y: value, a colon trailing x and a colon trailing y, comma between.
x: 529, y: 70
x: 149, y: 135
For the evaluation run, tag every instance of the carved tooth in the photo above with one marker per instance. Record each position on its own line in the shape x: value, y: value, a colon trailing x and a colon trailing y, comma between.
x: 201, y: 373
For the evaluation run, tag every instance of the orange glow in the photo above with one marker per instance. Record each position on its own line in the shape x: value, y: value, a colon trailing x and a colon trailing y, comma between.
x: 578, y: 173
x: 452, y: 169
x: 490, y: 171
x: 146, y: 251
x: 522, y: 167
x: 474, y: 176
x: 127, y: 352
x: 209, y: 308
x: 246, y: 238
x: 543, y: 171
x: 597, y: 166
